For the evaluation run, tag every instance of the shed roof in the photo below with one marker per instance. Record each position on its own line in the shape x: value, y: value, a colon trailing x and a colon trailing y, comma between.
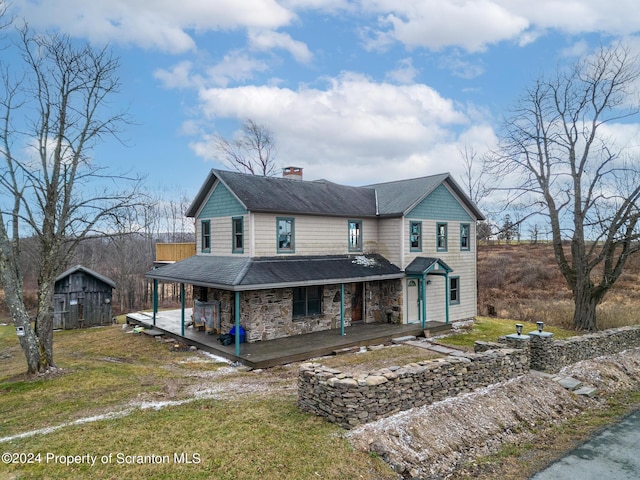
x: 246, y: 273
x: 88, y: 271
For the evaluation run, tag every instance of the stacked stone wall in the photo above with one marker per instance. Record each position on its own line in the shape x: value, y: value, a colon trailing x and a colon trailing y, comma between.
x: 352, y: 399
x: 549, y: 355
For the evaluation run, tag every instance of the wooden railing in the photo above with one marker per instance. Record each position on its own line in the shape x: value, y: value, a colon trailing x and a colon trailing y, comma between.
x: 174, y: 252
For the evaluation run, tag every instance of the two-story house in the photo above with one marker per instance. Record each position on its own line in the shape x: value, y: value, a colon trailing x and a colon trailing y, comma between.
x: 285, y: 256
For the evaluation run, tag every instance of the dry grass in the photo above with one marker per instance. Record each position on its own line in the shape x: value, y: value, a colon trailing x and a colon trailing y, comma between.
x: 240, y: 424
x: 522, y: 282
x: 372, y: 360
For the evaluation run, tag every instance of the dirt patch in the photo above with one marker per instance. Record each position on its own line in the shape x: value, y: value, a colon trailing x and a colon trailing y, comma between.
x: 436, y: 440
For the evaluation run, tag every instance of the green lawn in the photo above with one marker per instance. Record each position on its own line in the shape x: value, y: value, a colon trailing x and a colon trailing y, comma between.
x: 490, y: 329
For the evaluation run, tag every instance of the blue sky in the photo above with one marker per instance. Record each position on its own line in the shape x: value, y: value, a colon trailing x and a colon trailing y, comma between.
x: 354, y: 91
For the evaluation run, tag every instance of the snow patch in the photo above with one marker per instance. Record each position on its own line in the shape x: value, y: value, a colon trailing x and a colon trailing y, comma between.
x: 364, y: 261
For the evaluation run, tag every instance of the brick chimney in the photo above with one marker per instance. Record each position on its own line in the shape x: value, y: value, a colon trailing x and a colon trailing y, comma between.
x: 294, y: 173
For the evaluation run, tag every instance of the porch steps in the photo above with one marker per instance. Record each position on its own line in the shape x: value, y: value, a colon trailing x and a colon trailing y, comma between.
x: 434, y: 347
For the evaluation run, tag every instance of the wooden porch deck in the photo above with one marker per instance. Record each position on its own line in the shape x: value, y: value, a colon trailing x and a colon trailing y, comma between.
x: 282, y: 350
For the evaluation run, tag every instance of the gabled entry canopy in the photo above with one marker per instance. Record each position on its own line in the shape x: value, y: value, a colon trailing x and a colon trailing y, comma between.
x: 427, y: 265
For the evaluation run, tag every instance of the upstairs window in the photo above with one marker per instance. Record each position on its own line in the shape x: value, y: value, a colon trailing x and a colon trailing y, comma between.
x: 441, y: 237
x: 237, y: 229
x: 465, y: 243
x: 206, y: 236
x: 415, y: 236
x: 286, y: 239
x: 355, y: 235
x: 307, y: 301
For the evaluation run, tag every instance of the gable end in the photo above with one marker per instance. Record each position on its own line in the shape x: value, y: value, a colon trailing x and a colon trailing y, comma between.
x: 221, y: 203
x: 441, y: 204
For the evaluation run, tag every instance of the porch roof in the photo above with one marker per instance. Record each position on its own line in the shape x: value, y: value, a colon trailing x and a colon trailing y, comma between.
x: 247, y: 273
x: 423, y: 265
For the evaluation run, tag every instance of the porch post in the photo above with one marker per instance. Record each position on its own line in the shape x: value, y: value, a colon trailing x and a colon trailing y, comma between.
x: 423, y: 298
x: 155, y: 300
x: 237, y: 330
x: 447, y: 293
x: 342, y: 309
x: 182, y: 305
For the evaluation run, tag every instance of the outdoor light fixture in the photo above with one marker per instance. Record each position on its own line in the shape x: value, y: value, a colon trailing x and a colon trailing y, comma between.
x: 540, y: 326
x: 519, y: 328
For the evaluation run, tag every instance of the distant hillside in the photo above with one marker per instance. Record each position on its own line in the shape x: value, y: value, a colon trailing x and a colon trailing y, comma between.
x: 523, y: 282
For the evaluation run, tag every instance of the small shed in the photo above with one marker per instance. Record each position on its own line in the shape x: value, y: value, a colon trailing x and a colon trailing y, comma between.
x: 82, y: 298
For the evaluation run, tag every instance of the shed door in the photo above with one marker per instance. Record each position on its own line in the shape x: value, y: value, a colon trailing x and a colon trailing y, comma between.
x: 59, y: 312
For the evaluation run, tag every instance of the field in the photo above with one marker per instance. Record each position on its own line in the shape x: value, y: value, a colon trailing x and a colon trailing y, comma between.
x: 522, y: 282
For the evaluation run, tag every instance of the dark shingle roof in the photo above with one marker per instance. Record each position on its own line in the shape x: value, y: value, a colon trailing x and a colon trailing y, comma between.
x: 420, y: 265
x: 275, y: 194
x: 245, y: 273
x: 401, y: 196
x: 321, y: 197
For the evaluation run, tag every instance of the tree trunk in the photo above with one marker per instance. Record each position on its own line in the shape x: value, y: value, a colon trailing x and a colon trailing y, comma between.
x: 14, y: 297
x: 584, y: 316
x: 44, y: 317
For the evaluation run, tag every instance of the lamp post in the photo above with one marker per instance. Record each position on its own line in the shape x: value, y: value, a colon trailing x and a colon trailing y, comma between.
x: 519, y: 328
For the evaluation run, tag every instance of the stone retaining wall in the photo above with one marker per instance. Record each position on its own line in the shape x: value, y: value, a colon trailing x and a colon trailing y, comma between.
x: 353, y: 399
x: 549, y: 355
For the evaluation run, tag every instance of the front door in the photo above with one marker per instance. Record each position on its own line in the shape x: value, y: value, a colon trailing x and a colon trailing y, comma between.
x: 357, y: 309
x: 413, y: 300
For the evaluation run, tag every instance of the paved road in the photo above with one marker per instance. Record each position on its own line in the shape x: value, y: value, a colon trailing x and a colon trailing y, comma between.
x: 614, y: 454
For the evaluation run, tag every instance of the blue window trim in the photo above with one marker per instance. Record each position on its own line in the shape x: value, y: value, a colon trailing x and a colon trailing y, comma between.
x: 292, y: 247
x: 457, y: 290
x: 234, y: 248
x: 468, y: 227
x: 358, y: 247
x: 419, y: 247
x: 205, y: 240
x: 439, y: 247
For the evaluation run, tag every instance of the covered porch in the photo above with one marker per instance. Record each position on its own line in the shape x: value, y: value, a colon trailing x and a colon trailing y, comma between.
x: 282, y: 350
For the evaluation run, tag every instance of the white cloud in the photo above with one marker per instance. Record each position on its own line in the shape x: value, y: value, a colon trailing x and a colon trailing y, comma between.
x: 269, y: 40
x: 475, y: 24
x: 355, y: 130
x: 179, y: 76
x: 405, y: 73
x: 576, y: 50
x: 160, y: 24
x: 234, y: 67
x: 470, y: 24
x: 459, y: 67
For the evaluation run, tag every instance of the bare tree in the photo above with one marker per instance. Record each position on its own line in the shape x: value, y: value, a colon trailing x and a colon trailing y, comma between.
x: 560, y: 148
x: 253, y: 151
x: 54, y: 109
x: 476, y: 175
